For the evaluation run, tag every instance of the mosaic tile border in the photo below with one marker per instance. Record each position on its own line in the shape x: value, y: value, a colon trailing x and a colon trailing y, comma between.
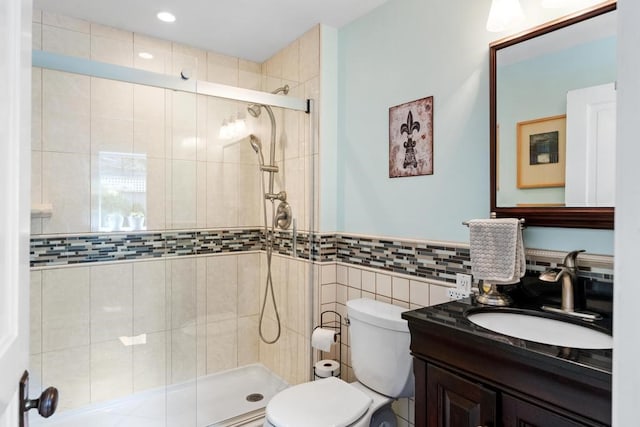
x: 441, y: 261
x: 429, y: 260
x: 47, y: 251
x: 420, y: 259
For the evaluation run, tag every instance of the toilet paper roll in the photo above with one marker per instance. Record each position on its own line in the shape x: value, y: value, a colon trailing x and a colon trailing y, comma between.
x: 326, y: 368
x: 322, y: 338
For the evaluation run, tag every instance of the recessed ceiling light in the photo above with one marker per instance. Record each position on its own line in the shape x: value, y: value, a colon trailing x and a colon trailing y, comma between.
x: 145, y: 55
x: 166, y: 16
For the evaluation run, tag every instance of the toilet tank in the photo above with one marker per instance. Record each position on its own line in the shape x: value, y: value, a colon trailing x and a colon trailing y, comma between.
x: 379, y: 340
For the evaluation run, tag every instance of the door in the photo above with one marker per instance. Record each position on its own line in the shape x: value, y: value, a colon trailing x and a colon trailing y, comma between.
x: 453, y: 401
x: 591, y: 146
x: 15, y: 152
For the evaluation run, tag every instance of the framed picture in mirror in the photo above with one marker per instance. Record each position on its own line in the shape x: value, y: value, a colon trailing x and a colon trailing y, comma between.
x: 541, y: 148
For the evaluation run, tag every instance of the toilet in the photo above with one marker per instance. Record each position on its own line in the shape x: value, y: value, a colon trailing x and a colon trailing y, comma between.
x: 382, y: 365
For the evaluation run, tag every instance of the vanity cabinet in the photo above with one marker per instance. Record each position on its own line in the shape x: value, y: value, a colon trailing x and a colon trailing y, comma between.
x: 468, y: 376
x: 455, y: 401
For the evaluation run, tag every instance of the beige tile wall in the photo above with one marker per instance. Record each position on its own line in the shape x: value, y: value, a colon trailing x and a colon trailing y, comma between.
x: 341, y: 282
x: 198, y: 315
x: 290, y: 356
x: 297, y: 65
x: 194, y: 179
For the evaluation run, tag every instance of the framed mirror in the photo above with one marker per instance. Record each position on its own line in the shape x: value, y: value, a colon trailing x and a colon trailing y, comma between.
x: 552, y: 122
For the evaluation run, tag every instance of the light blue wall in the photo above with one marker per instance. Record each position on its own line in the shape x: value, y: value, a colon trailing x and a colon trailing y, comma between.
x: 402, y: 51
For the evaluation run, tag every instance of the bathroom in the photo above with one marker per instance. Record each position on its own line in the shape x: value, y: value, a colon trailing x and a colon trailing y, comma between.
x: 337, y: 184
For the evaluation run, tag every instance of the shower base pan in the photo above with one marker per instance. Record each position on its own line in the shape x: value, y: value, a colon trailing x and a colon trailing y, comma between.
x: 231, y: 398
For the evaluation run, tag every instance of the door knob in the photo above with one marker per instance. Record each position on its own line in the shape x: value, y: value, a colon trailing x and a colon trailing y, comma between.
x: 46, y: 404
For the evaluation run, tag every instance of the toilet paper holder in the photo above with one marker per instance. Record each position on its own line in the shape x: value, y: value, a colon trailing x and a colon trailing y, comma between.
x: 336, y: 325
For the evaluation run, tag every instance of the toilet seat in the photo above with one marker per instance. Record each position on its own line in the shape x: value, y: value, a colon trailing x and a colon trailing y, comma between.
x: 321, y: 403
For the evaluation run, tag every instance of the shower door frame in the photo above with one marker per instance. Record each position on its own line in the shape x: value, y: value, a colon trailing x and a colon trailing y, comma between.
x: 88, y: 67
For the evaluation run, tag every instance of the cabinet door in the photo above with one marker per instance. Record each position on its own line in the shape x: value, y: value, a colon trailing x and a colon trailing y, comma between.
x: 518, y: 413
x: 456, y: 402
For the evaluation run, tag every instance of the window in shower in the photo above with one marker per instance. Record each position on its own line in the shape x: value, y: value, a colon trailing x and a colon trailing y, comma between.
x: 122, y: 180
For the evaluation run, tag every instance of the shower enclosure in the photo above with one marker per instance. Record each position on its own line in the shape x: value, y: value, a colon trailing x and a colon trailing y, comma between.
x: 153, y: 275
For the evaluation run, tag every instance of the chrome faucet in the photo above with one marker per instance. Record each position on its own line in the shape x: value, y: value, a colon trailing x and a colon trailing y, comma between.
x: 567, y: 273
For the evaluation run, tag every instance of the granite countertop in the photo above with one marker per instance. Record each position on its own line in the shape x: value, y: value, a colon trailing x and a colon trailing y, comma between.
x: 584, y: 361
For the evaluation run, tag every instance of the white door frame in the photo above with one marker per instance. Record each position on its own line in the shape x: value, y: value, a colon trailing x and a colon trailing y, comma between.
x: 15, y: 195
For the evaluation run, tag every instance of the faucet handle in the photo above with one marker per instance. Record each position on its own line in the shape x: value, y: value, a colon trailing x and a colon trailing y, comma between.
x: 570, y: 258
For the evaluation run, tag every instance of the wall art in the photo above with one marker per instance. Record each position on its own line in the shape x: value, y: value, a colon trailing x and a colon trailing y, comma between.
x: 411, y: 138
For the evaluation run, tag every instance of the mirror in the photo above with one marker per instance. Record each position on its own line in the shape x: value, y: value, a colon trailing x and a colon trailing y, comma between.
x: 552, y: 122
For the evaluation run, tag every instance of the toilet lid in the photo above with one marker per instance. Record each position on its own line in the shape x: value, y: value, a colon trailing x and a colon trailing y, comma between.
x: 329, y: 402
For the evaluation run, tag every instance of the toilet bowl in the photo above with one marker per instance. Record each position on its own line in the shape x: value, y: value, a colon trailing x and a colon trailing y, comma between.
x: 382, y: 364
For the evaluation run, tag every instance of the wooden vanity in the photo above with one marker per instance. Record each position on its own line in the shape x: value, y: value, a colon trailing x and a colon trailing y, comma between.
x: 469, y: 376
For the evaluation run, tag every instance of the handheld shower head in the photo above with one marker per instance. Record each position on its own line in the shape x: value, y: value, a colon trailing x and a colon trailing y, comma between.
x: 257, y: 147
x: 255, y: 143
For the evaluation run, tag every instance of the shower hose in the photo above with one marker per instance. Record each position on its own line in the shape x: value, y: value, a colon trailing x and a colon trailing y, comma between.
x: 268, y: 288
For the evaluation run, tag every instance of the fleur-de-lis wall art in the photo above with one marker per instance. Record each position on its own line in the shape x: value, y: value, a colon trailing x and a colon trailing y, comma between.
x: 409, y: 144
x: 411, y: 138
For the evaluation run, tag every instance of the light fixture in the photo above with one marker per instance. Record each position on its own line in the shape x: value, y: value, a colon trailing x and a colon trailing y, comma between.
x: 145, y: 55
x: 166, y: 16
x: 503, y: 14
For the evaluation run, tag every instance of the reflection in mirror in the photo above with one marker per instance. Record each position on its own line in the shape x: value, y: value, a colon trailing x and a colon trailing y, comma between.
x: 553, y: 121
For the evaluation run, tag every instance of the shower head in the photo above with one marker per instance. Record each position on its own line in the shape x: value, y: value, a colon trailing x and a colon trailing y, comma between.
x: 256, y: 109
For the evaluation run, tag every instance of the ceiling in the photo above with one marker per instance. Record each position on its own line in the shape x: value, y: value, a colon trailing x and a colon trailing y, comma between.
x: 249, y: 29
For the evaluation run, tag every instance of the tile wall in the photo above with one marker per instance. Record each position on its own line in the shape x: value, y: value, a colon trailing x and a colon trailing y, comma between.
x: 194, y: 179
x: 340, y: 282
x: 186, y: 316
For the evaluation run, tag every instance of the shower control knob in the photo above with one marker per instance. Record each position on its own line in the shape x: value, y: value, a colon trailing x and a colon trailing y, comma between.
x: 283, y: 215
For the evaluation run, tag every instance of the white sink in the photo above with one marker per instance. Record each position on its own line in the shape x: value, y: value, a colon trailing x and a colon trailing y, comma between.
x: 542, y: 330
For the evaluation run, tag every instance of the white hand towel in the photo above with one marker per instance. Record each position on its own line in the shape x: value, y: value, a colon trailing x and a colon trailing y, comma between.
x: 497, y: 250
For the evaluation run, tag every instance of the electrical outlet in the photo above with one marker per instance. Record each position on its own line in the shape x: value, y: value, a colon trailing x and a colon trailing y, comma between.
x: 454, y: 294
x: 463, y: 282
